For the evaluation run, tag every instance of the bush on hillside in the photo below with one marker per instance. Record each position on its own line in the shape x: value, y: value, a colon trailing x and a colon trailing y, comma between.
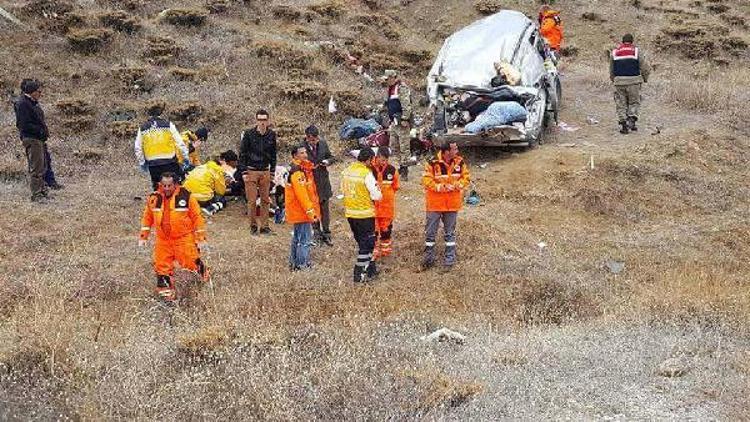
x: 488, y: 7
x: 185, y: 17
x: 88, y: 41
x: 283, y: 54
x: 161, y: 50
x: 120, y: 21
x: 330, y: 8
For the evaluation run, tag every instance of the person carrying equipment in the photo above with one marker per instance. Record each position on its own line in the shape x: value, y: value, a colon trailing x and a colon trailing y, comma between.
x: 208, y: 182
x: 388, y: 181
x: 302, y: 208
x: 176, y: 216
x: 360, y: 189
x: 156, y: 146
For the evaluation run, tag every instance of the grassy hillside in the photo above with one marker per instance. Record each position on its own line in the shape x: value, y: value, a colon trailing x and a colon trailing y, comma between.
x: 552, y: 332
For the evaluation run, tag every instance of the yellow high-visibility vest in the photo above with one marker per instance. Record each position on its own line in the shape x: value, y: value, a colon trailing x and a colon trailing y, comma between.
x: 357, y: 201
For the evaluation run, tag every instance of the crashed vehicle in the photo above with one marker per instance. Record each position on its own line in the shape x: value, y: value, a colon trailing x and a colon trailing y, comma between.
x: 464, y: 70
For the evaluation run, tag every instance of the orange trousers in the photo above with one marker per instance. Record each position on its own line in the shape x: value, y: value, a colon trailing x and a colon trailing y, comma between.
x: 383, y: 229
x: 167, y: 251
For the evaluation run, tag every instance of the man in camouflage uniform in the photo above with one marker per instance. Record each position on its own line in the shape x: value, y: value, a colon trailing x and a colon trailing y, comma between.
x: 398, y: 104
x: 628, y: 69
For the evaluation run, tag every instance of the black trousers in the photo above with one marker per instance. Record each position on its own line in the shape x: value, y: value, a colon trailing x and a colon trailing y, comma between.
x: 364, y: 233
x: 324, y: 226
x: 157, y: 171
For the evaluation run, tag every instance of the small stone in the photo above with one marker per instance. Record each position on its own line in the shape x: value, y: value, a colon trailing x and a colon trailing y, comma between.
x: 615, y: 267
x: 673, y: 367
x: 443, y: 335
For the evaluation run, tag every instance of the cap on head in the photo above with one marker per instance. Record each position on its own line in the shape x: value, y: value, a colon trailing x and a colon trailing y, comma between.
x: 365, y: 154
x: 202, y: 133
x: 312, y: 130
x: 29, y: 86
x: 155, y: 108
x: 628, y: 38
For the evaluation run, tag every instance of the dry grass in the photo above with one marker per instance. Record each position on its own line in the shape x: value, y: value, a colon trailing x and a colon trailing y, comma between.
x: 551, y: 332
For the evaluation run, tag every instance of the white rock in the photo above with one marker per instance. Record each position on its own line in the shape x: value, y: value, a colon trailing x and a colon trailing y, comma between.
x: 445, y: 334
x: 673, y: 367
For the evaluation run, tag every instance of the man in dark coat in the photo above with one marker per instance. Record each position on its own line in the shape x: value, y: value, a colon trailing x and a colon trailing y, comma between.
x: 320, y: 155
x: 33, y: 132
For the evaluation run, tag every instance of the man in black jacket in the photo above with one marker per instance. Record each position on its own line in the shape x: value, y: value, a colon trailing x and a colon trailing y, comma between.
x: 320, y: 155
x: 34, y: 133
x: 258, y: 161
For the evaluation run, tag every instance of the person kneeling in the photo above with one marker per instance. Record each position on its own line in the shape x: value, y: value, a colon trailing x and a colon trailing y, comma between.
x: 208, y: 182
x: 302, y: 208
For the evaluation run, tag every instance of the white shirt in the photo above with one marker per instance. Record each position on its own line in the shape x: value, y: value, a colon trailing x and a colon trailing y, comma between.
x: 372, y: 186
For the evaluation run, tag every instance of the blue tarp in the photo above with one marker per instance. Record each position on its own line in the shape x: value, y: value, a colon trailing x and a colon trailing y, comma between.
x: 358, y: 128
x: 497, y: 114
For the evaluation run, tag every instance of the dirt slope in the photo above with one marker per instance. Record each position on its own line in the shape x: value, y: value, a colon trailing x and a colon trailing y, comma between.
x: 551, y: 331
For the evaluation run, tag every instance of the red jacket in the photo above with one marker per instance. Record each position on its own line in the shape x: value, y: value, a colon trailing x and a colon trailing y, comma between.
x: 551, y: 28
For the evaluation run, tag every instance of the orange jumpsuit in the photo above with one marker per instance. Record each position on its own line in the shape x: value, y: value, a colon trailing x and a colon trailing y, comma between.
x: 388, y: 182
x: 551, y: 28
x: 179, y: 225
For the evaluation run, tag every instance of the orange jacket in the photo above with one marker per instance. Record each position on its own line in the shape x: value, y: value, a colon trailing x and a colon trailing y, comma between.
x: 388, y: 182
x: 183, y: 212
x: 300, y: 194
x: 439, y: 177
x: 551, y: 28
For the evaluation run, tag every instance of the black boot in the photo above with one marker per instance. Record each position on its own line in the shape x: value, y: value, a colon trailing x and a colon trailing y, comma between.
x: 372, y: 271
x: 359, y: 274
x: 631, y: 123
x: 403, y: 172
x: 624, y: 127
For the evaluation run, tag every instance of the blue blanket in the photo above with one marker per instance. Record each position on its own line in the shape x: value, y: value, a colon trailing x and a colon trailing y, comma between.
x: 358, y: 128
x: 497, y: 114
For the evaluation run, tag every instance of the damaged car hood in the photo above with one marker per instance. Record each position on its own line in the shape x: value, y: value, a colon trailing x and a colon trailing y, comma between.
x: 467, y: 57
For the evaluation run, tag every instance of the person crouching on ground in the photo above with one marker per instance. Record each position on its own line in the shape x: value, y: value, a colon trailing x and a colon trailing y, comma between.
x: 302, y: 208
x: 208, y: 182
x: 388, y: 181
x: 176, y: 215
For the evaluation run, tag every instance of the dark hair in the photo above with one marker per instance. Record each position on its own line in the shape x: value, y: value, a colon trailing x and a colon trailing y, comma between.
x: 312, y: 131
x: 384, y: 152
x: 228, y: 155
x: 628, y: 38
x: 202, y: 133
x: 262, y: 112
x: 155, y: 108
x: 168, y: 175
x: 365, y: 154
x: 29, y: 86
x: 296, y: 149
x: 446, y: 146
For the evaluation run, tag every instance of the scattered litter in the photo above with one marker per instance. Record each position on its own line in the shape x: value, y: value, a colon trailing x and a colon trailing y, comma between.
x: 445, y: 334
x: 483, y: 166
x: 615, y: 267
x: 332, y: 106
x: 541, y: 245
x: 656, y: 131
x: 591, y: 162
x: 473, y: 198
x: 339, y: 196
x: 568, y: 144
x: 591, y: 120
x: 566, y: 127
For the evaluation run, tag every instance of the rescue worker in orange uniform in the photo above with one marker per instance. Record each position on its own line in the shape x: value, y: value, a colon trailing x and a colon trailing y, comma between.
x: 302, y: 208
x: 180, y: 233
x: 551, y: 28
x: 388, y: 181
x: 444, y: 179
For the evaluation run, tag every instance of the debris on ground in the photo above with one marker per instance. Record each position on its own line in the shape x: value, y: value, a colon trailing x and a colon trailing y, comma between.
x: 443, y: 335
x: 615, y: 267
x: 591, y: 120
x: 568, y: 144
x: 566, y: 127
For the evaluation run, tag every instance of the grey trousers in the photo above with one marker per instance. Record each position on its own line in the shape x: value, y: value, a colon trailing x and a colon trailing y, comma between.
x: 627, y: 101
x: 449, y: 219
